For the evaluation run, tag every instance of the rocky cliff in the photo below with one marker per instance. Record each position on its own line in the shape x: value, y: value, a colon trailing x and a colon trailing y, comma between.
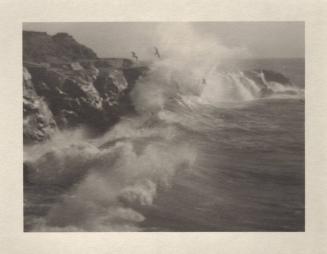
x: 41, y: 47
x: 66, y: 85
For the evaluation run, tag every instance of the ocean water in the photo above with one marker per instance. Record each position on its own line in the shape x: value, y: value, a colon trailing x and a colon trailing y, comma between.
x: 199, y: 155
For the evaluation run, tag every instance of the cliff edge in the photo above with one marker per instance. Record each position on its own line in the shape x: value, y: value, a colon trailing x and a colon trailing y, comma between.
x: 66, y: 85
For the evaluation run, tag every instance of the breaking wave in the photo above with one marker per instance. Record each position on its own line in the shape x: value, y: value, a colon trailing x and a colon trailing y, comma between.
x: 102, y: 187
x: 103, y: 184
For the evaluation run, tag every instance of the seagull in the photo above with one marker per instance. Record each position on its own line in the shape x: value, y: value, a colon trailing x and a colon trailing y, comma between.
x: 156, y: 53
x: 204, y: 81
x: 134, y: 55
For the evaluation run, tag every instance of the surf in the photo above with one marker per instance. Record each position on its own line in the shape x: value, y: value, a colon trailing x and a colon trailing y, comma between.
x: 106, y: 183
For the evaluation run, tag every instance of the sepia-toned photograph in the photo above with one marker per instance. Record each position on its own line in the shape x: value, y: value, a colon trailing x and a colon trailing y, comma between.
x: 163, y: 126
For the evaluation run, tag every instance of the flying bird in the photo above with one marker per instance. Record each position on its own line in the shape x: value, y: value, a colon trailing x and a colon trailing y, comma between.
x: 204, y: 81
x: 156, y: 52
x: 134, y: 55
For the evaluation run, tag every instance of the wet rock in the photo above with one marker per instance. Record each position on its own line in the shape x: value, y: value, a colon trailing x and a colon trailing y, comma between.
x: 263, y: 77
x: 38, y: 120
x: 66, y: 85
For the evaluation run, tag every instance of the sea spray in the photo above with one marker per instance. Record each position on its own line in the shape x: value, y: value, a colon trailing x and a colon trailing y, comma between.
x: 103, y: 187
x: 105, y: 183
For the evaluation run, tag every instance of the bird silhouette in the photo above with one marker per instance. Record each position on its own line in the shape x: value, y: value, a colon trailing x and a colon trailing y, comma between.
x: 134, y: 55
x: 156, y: 52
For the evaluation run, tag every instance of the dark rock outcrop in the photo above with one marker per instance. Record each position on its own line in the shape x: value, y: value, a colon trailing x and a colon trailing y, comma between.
x: 66, y: 85
x: 41, y: 47
x: 261, y: 77
x: 38, y: 121
x: 270, y: 76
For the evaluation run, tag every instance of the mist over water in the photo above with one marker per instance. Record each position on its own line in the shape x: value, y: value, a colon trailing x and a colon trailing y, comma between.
x: 204, y: 152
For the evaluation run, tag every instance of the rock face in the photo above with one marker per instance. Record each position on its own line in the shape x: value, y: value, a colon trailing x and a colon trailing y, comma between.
x: 262, y: 76
x: 41, y: 47
x: 65, y: 85
x: 269, y: 76
x: 38, y: 121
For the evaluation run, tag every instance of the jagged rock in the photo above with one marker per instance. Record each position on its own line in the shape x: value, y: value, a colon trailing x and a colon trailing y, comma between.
x: 269, y: 76
x: 276, y: 77
x: 261, y: 77
x: 67, y: 90
x: 89, y: 96
x: 38, y: 121
x: 70, y: 85
x: 111, y: 84
x: 41, y: 47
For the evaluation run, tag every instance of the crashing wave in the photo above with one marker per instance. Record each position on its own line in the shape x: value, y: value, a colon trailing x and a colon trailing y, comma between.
x: 104, y: 184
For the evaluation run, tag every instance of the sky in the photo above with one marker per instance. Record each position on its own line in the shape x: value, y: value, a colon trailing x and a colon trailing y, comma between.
x: 249, y: 39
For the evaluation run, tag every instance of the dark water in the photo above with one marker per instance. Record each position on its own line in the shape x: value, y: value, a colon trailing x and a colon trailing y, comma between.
x: 232, y: 166
x: 250, y: 177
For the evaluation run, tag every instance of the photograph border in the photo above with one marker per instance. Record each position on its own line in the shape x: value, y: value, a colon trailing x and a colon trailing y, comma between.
x: 14, y: 13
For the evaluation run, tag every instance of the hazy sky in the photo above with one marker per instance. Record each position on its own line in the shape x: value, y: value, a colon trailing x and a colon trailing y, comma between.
x: 117, y: 39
